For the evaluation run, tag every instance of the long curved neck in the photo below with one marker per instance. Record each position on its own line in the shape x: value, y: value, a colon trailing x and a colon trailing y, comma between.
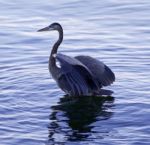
x: 52, y: 59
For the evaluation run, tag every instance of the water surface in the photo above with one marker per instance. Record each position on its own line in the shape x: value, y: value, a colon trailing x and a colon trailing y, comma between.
x: 33, y: 110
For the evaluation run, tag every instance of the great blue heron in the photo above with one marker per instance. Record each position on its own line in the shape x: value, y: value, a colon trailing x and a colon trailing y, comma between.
x: 80, y: 75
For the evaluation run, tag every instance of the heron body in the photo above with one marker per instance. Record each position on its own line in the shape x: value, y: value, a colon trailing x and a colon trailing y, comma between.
x: 80, y: 75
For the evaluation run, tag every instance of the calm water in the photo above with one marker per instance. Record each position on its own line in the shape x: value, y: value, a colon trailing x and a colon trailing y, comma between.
x: 34, y: 111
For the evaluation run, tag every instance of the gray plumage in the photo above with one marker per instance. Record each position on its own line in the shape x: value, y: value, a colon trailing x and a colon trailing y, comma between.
x: 80, y: 75
x: 102, y: 73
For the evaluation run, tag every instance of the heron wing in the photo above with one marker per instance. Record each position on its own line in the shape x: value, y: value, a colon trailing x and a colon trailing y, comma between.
x: 75, y: 78
x: 102, y: 72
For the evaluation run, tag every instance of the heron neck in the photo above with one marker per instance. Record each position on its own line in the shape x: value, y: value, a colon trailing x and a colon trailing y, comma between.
x: 52, y: 60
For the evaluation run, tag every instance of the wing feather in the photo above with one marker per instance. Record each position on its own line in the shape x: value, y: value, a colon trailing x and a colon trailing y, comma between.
x: 75, y: 78
x: 100, y: 71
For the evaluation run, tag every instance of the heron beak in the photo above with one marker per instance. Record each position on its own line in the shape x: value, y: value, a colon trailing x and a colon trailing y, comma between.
x: 45, y: 29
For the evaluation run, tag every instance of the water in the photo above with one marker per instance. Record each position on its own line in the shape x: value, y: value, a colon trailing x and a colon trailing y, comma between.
x: 33, y: 110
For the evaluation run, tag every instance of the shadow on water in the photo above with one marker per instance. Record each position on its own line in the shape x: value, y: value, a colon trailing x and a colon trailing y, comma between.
x: 70, y: 120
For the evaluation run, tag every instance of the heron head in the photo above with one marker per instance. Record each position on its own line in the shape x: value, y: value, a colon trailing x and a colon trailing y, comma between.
x: 53, y: 26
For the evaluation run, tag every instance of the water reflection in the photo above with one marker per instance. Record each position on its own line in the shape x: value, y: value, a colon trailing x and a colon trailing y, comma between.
x: 70, y: 120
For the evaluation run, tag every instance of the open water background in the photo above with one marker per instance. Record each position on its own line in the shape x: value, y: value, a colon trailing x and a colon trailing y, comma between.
x: 34, y: 111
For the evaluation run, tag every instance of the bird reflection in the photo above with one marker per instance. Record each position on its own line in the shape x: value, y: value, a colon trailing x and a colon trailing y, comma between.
x: 72, y: 118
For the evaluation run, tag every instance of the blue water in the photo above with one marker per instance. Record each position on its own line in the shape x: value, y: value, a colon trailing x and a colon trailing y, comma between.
x: 34, y: 111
